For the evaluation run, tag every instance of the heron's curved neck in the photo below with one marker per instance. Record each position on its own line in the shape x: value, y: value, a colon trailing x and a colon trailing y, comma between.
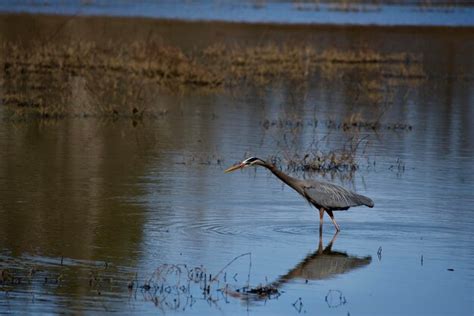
x: 282, y: 176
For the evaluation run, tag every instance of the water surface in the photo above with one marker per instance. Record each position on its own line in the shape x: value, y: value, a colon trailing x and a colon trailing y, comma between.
x: 90, y: 205
x: 432, y: 13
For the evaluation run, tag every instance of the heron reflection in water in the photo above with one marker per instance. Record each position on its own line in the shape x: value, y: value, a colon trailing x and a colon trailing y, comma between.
x: 324, y: 263
x: 326, y: 197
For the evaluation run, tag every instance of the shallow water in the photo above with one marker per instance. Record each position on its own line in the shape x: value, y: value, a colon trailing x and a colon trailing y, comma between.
x: 92, y: 205
x: 295, y: 12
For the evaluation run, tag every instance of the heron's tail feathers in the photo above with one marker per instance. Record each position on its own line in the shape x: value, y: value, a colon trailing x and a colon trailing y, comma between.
x: 366, y: 201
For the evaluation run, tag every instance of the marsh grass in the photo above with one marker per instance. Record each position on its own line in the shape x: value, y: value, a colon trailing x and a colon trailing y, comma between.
x: 343, y: 161
x: 339, y: 143
x: 350, y: 122
x: 59, y: 79
x: 262, y: 64
x: 179, y: 287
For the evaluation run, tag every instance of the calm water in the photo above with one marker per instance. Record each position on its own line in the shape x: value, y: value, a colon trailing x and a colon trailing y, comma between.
x: 274, y: 11
x: 90, y: 205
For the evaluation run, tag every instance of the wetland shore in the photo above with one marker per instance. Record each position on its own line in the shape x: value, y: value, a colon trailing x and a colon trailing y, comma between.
x: 58, y: 66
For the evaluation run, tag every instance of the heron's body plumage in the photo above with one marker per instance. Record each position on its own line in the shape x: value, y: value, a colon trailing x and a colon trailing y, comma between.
x: 332, y: 197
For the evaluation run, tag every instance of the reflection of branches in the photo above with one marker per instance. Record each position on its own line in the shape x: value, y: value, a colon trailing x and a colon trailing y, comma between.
x: 398, y: 167
x: 232, y: 261
x: 170, y: 286
x: 298, y: 305
x: 177, y: 286
x: 334, y: 299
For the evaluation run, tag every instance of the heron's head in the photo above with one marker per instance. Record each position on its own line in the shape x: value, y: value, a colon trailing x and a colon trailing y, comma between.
x: 252, y: 161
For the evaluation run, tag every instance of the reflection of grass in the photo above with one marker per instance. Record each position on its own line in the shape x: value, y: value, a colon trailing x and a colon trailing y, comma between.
x: 83, y: 79
x: 342, y: 160
x: 171, y: 287
x: 179, y: 287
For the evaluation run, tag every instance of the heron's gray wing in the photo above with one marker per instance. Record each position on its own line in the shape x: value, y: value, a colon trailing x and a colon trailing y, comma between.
x: 332, y: 196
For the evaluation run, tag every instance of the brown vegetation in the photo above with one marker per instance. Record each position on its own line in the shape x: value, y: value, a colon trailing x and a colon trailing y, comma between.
x: 343, y: 160
x: 83, y: 78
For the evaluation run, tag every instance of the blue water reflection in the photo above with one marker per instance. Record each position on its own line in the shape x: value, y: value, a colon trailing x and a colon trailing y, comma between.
x: 259, y: 11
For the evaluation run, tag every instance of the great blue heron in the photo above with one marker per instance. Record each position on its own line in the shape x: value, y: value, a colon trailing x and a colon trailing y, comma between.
x: 326, y: 197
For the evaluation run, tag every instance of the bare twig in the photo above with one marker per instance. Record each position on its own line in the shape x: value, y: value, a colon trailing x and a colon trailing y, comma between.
x: 232, y: 261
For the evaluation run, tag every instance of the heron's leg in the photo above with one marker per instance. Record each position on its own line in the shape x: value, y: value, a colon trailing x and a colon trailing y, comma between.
x: 321, y: 219
x: 331, y: 215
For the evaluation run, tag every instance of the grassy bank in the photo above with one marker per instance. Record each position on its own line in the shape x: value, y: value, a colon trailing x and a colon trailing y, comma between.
x: 83, y: 78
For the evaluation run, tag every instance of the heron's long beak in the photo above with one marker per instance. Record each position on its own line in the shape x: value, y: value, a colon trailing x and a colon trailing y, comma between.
x: 233, y: 168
